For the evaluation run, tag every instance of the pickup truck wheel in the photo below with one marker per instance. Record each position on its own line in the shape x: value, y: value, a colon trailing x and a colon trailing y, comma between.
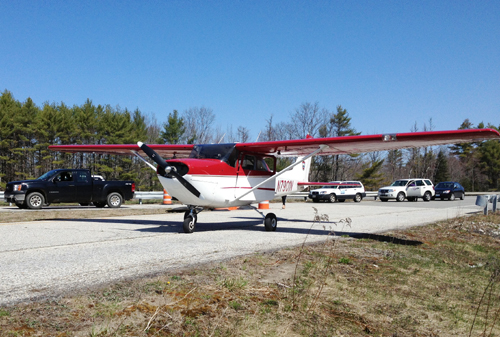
x: 332, y: 198
x: 358, y: 198
x: 400, y: 197
x: 114, y: 200
x: 427, y: 196
x: 35, y: 200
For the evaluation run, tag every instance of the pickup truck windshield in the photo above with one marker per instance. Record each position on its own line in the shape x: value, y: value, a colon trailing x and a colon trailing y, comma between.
x: 47, y: 175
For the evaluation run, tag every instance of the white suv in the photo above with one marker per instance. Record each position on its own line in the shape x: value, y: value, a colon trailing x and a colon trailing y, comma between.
x: 339, y: 190
x: 410, y: 189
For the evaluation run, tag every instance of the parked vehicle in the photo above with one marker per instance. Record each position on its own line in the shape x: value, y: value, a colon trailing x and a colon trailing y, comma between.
x: 339, y: 191
x: 449, y: 190
x: 410, y: 189
x: 68, y: 185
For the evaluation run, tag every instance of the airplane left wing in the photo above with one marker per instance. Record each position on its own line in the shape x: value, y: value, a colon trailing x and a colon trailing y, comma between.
x: 369, y: 143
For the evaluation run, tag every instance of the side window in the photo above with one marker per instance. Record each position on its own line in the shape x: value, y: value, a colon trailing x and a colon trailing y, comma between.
x: 262, y: 165
x: 82, y: 177
x: 428, y: 182
x: 64, y: 176
x: 420, y: 183
x: 248, y: 162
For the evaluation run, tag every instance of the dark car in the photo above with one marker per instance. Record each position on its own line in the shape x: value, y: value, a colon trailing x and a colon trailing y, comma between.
x: 449, y: 190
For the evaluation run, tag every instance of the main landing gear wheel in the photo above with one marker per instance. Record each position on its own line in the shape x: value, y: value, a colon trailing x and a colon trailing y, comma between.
x: 270, y: 222
x: 189, y: 222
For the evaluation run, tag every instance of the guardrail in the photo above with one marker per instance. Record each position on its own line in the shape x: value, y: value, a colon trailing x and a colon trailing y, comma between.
x: 484, y: 200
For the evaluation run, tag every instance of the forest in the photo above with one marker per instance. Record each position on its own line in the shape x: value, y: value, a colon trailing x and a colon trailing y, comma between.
x: 26, y: 131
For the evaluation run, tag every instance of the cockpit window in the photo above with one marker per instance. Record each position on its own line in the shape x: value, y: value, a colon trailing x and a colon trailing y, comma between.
x: 251, y: 162
x: 224, y: 152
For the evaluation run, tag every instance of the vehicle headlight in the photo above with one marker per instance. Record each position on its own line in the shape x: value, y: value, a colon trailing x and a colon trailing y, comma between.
x: 18, y: 187
x: 446, y: 192
x: 322, y: 192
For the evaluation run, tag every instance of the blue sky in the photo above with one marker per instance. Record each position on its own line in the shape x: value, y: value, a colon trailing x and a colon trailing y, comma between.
x: 391, y: 64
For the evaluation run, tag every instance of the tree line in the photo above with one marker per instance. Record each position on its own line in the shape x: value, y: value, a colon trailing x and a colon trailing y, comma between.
x: 27, y: 130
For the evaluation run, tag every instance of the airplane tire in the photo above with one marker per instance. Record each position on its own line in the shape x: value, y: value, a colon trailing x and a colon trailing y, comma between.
x: 35, y: 200
x: 189, y: 223
x: 114, y: 200
x: 270, y: 222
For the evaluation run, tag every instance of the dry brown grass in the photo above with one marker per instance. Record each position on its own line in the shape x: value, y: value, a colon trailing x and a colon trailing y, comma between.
x: 436, y: 280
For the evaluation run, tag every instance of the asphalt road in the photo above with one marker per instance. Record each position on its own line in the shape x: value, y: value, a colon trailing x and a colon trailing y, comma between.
x: 47, y: 258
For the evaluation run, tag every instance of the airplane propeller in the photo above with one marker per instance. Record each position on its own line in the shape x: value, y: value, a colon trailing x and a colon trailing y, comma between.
x: 168, y: 169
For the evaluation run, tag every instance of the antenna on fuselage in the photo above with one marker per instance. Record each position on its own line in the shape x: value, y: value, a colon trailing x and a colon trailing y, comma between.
x: 221, y: 138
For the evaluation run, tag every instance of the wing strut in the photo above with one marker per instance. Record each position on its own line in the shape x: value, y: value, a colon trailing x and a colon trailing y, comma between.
x: 321, y: 148
x: 144, y: 160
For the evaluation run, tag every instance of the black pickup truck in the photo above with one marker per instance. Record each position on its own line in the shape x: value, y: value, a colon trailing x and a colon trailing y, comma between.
x: 68, y: 185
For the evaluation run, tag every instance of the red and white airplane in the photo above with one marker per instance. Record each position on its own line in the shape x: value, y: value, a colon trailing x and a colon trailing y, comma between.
x: 237, y: 174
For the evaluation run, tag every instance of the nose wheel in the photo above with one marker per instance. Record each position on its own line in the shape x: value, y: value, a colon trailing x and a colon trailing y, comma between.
x: 190, y: 219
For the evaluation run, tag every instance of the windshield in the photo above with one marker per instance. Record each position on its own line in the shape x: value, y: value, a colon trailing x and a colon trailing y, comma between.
x: 224, y: 152
x: 47, y: 175
x: 399, y: 183
x: 444, y: 185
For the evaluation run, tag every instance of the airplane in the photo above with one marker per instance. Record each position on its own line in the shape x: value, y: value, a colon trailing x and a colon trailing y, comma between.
x: 237, y: 174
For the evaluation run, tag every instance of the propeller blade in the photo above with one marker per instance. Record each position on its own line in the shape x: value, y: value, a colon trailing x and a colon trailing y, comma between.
x: 153, y: 155
x: 169, y: 170
x: 185, y: 183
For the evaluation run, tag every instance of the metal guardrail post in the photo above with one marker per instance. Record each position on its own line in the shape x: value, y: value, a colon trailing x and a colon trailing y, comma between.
x: 482, y: 200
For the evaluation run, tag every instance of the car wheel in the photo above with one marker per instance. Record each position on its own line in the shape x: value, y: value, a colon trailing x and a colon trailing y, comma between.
x: 462, y: 196
x: 332, y: 198
x: 270, y: 222
x: 190, y: 223
x: 358, y: 198
x: 427, y: 196
x: 35, y: 200
x: 114, y: 200
x: 383, y: 199
x: 452, y: 197
x: 400, y: 197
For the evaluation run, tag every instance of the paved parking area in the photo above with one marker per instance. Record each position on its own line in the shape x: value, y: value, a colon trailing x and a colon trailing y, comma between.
x: 48, y: 257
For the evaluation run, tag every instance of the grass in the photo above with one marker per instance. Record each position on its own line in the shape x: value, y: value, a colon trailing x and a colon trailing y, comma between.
x: 436, y: 280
